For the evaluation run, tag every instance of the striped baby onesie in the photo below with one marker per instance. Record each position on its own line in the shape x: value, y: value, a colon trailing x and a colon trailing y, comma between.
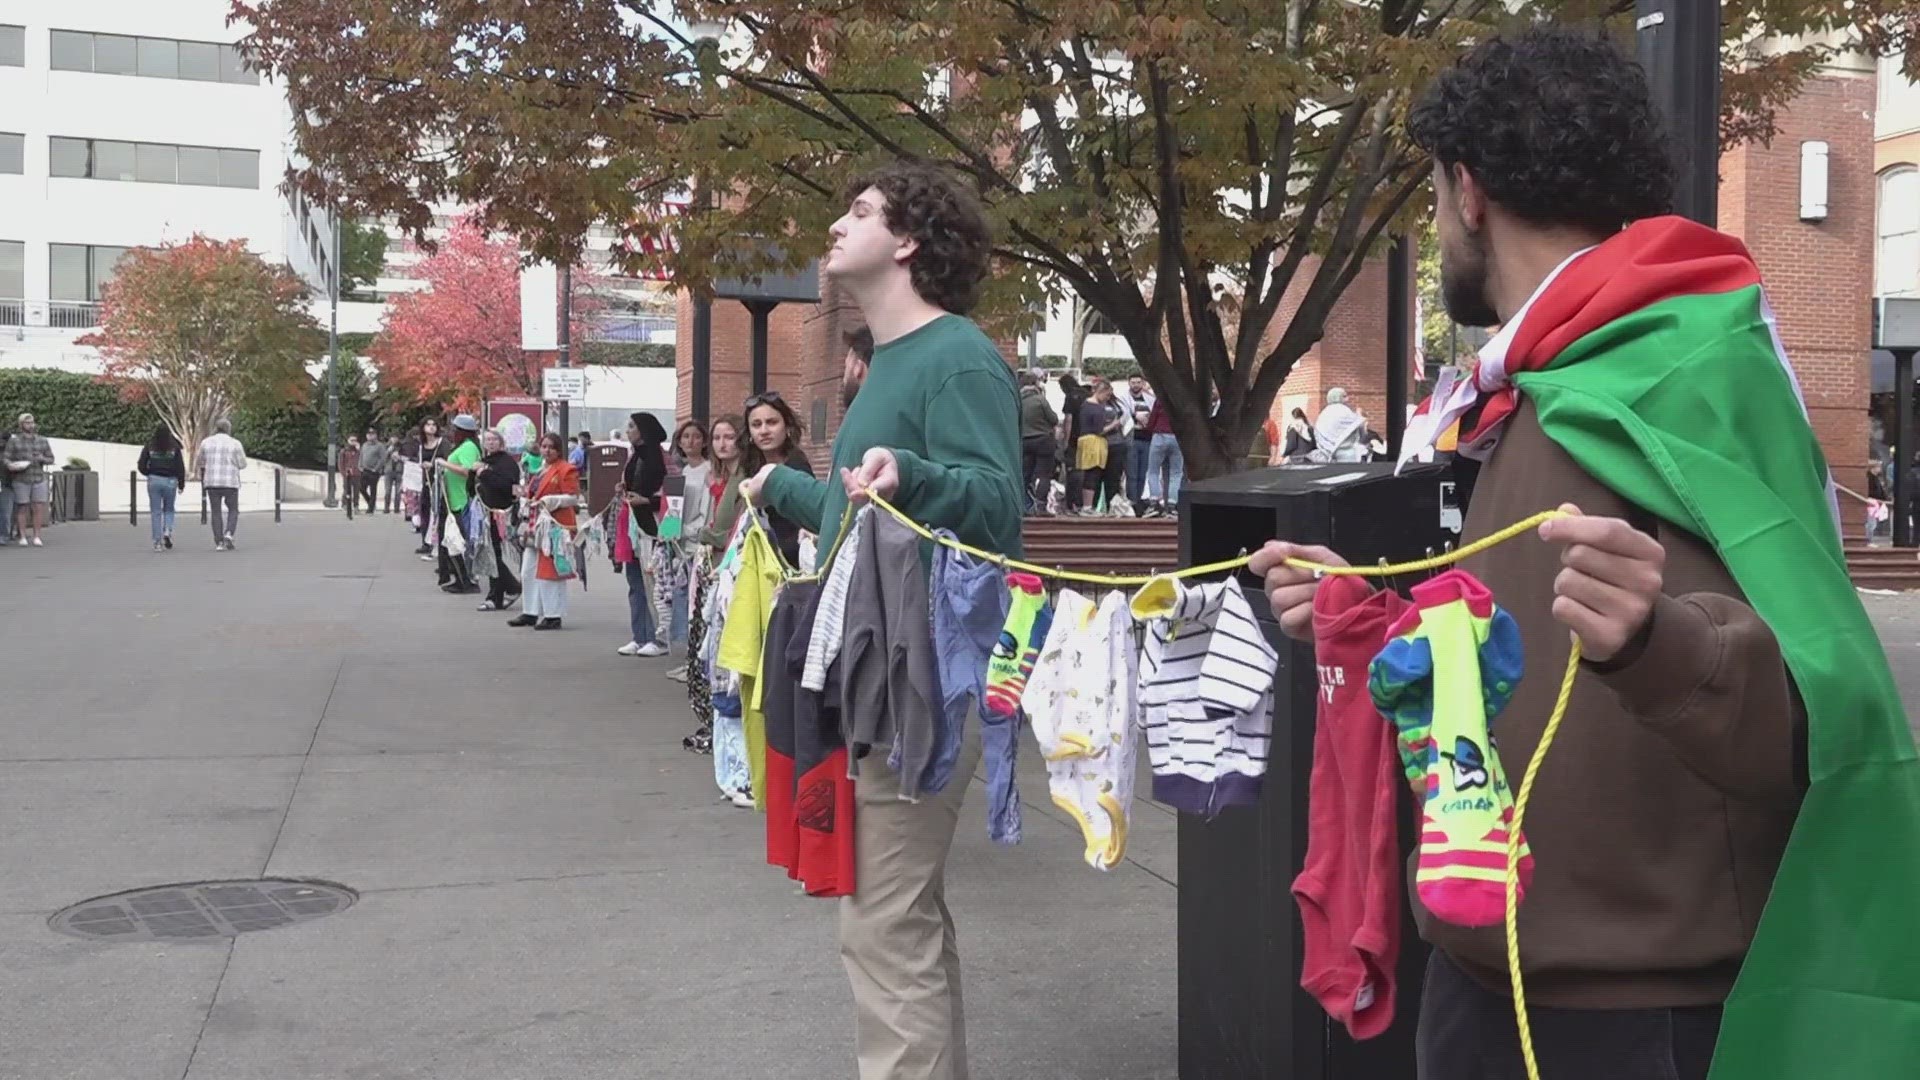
x: 1206, y: 687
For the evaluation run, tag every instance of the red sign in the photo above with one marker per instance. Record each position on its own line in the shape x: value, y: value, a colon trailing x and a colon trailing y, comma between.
x: 518, y: 420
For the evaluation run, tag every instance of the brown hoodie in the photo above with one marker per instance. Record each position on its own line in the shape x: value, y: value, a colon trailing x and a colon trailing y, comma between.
x: 1659, y: 817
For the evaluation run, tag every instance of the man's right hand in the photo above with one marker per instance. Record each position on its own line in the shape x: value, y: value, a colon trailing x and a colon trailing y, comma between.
x: 1290, y: 589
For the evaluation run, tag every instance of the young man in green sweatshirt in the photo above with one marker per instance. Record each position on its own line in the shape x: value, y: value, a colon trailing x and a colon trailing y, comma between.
x: 935, y: 430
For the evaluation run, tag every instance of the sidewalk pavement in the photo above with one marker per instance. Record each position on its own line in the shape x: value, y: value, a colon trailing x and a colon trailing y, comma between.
x: 550, y: 887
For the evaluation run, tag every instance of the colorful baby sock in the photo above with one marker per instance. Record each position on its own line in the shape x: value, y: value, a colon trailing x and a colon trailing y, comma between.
x: 1014, y: 654
x: 1451, y: 664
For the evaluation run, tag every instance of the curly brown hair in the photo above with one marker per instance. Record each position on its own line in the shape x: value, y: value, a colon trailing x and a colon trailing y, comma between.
x: 931, y: 205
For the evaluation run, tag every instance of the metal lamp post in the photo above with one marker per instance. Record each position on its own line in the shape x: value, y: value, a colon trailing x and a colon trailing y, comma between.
x: 333, y: 368
x: 706, y: 37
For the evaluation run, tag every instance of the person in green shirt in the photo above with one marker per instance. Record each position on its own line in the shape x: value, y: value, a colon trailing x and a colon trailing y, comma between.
x: 456, y: 485
x: 935, y: 430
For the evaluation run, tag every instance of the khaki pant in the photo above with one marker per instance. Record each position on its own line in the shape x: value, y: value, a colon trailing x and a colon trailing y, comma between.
x: 896, y: 934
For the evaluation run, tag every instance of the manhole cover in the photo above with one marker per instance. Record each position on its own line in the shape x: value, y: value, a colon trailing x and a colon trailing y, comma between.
x: 203, y: 909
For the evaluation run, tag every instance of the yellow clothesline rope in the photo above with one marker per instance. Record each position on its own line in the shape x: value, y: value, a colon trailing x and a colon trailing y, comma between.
x: 1416, y: 566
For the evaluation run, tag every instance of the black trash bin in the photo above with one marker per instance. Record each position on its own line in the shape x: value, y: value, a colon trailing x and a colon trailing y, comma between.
x: 1243, y: 1015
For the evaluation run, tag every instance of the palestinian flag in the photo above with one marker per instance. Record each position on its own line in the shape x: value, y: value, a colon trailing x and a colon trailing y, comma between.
x: 1653, y: 360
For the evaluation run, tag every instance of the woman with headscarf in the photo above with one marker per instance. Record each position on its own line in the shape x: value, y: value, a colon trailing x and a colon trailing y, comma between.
x: 552, y: 501
x: 637, y: 527
x: 496, y: 475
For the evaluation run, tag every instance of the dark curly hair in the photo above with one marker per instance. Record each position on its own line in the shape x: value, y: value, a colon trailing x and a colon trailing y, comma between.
x: 932, y: 206
x: 1558, y: 126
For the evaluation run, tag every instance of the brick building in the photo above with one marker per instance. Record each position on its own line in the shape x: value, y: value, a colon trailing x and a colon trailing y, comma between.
x: 1819, y: 274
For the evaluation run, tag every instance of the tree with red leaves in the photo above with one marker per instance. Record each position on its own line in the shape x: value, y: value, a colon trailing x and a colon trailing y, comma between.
x: 457, y: 341
x: 199, y: 327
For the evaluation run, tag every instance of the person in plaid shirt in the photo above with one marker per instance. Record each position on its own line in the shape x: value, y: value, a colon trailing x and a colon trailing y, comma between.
x: 27, y: 456
x: 221, y: 459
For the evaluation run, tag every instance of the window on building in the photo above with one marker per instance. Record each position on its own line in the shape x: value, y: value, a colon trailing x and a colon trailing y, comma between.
x: 115, y: 55
x: 112, y: 160
x: 13, y: 157
x: 153, y: 163
x: 79, y: 272
x: 234, y: 69
x: 69, y: 50
x: 240, y: 168
x: 1896, y: 269
x: 1898, y: 107
x: 67, y: 271
x: 199, y: 165
x: 159, y: 58
x: 200, y: 61
x: 13, y: 48
x: 155, y: 58
x: 66, y: 157
x: 13, y: 270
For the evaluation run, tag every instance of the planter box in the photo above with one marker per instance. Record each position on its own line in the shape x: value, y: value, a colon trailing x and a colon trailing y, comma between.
x: 76, y: 495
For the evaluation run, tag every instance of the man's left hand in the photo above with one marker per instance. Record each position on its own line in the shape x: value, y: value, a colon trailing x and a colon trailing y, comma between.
x: 752, y: 485
x: 879, y: 473
x: 1612, y: 573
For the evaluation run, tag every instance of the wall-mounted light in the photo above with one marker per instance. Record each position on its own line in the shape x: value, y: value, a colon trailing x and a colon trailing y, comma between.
x: 1813, y: 180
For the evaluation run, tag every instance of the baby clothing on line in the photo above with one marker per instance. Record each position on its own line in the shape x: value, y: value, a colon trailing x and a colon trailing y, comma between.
x: 1206, y: 685
x: 1450, y: 664
x: 1082, y: 702
x: 742, y: 646
x: 823, y: 801
x: 829, y: 626
x: 970, y: 598
x: 779, y: 709
x: 1349, y: 891
x: 891, y: 694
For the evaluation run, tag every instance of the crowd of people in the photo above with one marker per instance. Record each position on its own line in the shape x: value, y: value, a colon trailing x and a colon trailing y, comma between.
x: 514, y: 528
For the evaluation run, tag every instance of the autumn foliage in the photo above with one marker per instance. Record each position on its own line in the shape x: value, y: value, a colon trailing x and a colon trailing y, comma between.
x: 200, y: 327
x: 1181, y: 166
x: 456, y: 342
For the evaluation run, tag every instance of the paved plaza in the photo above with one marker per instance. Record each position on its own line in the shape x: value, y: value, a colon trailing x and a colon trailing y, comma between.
x: 549, y: 887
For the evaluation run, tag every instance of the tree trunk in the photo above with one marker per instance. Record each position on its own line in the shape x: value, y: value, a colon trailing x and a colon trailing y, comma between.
x: 1077, y: 351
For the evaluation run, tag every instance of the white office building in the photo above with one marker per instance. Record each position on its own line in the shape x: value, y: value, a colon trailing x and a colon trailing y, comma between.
x: 128, y: 123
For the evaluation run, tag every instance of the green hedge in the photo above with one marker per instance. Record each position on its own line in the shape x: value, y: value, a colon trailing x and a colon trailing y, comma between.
x: 70, y: 405
x: 650, y: 354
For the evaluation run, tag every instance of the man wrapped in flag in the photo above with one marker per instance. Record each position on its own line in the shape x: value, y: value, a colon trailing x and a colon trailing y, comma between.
x: 1726, y: 834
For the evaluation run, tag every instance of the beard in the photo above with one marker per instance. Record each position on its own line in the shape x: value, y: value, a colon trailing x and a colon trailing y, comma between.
x: 1463, y: 283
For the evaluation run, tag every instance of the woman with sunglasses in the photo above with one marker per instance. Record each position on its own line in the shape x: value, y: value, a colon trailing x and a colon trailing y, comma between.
x: 774, y: 439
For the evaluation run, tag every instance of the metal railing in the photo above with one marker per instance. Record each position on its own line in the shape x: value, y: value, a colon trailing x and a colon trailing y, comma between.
x: 73, y: 315
x: 13, y: 312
